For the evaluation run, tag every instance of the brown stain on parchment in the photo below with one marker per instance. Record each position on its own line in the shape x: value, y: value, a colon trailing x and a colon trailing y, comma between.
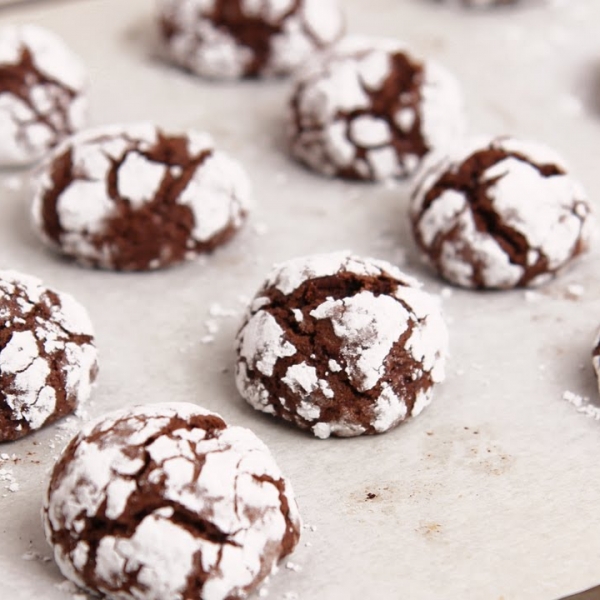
x: 430, y: 530
x: 469, y: 446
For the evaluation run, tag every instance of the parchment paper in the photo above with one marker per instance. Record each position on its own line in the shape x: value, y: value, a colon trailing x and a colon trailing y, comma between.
x: 494, y: 492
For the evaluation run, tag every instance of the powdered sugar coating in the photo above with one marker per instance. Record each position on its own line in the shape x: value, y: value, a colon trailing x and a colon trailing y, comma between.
x: 290, y: 275
x: 224, y: 39
x: 174, y: 196
x: 368, y: 109
x: 42, y: 93
x: 48, y: 360
x: 167, y: 501
x: 370, y: 344
x: 499, y: 213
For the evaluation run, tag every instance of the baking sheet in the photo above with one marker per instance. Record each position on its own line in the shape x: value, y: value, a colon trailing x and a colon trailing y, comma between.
x: 493, y: 493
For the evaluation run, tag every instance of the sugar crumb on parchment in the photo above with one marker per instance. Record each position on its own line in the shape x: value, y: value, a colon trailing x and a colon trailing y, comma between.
x: 582, y: 404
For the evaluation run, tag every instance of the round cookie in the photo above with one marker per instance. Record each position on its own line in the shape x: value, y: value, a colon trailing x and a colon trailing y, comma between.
x: 341, y: 345
x: 228, y: 39
x: 42, y: 93
x: 47, y: 355
x: 134, y: 198
x: 370, y: 110
x: 164, y: 502
x: 499, y: 213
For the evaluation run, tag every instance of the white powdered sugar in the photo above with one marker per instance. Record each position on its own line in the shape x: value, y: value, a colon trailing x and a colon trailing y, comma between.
x: 215, y: 47
x: 330, y: 127
x: 289, y: 276
x: 368, y: 326
x: 219, y: 196
x: 583, y: 404
x: 217, y: 506
x: 263, y: 343
x: 8, y: 479
x: 389, y: 410
x: 216, y: 190
x: 534, y: 203
x: 302, y: 378
x: 44, y: 98
x: 293, y: 369
x: 44, y: 357
x: 139, y: 179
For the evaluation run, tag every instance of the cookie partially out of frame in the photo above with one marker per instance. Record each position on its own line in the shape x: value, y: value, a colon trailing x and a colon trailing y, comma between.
x: 166, y: 502
x: 230, y: 39
x: 136, y: 198
x: 48, y: 360
x: 499, y: 213
x: 341, y: 345
x: 43, y: 93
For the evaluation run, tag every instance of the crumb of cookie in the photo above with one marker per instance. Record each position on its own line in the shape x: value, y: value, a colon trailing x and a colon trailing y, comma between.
x: 42, y: 90
x: 575, y: 291
x: 581, y: 403
x: 499, y: 213
x: 230, y: 39
x: 7, y: 477
x: 31, y: 555
x: 341, y: 345
x: 219, y: 311
x: 261, y: 229
x: 531, y: 296
x: 134, y: 198
x: 13, y: 183
x: 167, y: 501
x: 370, y: 110
x: 48, y: 361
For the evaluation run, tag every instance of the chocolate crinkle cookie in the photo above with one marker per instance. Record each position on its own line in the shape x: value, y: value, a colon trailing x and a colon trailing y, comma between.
x: 371, y: 110
x: 47, y: 355
x: 228, y: 39
x: 135, y: 198
x: 42, y: 93
x: 341, y: 345
x: 166, y: 502
x: 499, y: 213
